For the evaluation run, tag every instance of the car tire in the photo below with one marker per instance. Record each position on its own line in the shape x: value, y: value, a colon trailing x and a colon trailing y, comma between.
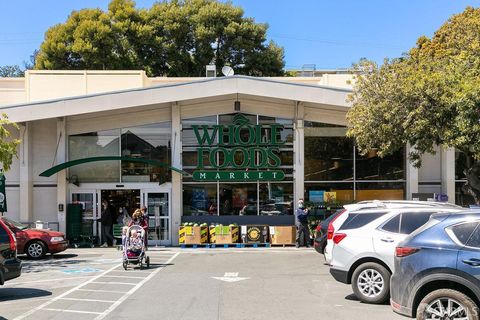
x: 443, y: 296
x: 371, y: 283
x: 36, y: 250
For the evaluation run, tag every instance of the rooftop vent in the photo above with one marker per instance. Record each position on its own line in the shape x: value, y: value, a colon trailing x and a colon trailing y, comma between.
x: 211, y: 71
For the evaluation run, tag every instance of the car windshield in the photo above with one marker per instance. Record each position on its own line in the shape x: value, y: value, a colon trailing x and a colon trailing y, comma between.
x: 15, y: 224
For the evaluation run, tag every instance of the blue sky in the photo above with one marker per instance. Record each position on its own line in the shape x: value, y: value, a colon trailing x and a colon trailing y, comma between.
x: 329, y: 34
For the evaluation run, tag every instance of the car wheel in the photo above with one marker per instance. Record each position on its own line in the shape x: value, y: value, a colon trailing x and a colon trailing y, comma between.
x: 36, y: 250
x: 371, y: 283
x: 447, y: 304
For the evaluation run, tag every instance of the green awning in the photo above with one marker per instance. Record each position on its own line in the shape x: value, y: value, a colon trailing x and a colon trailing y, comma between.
x: 65, y: 165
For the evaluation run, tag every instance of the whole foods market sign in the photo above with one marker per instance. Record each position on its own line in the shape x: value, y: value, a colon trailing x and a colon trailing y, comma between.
x: 239, y: 151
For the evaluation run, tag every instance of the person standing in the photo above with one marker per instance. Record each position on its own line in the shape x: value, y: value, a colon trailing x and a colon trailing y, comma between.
x: 138, y: 218
x: 303, y: 233
x: 107, y: 222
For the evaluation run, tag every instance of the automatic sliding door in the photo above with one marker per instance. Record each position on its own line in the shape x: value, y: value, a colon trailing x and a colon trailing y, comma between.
x: 158, y: 208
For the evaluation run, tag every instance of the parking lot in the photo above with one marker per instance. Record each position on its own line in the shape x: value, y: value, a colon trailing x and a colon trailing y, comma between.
x: 255, y: 283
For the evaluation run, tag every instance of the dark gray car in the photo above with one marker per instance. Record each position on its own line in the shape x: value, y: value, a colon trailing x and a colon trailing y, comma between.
x: 437, y: 269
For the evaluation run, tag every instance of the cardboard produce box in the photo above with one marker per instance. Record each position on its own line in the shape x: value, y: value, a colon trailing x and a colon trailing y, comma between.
x: 193, y: 235
x: 223, y: 234
x: 255, y: 234
x: 282, y: 234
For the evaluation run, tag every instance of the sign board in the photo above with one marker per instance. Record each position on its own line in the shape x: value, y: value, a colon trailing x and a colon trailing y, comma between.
x: 238, y: 152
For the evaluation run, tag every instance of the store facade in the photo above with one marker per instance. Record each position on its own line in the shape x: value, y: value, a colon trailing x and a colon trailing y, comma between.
x: 244, y: 150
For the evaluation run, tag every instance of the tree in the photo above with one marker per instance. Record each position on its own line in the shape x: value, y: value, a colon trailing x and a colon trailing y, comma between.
x: 8, y: 146
x: 172, y: 38
x: 11, y: 71
x: 428, y: 97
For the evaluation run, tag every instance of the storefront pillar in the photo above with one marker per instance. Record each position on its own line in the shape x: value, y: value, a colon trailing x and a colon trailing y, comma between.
x: 26, y: 173
x: 61, y: 175
x: 176, y: 196
x: 411, y: 175
x: 299, y: 172
x: 448, y: 173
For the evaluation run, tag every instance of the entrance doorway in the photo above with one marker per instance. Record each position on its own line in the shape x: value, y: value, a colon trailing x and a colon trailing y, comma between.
x: 131, y: 196
x: 122, y: 198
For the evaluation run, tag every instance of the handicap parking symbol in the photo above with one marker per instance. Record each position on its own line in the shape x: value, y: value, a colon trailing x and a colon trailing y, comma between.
x: 84, y: 270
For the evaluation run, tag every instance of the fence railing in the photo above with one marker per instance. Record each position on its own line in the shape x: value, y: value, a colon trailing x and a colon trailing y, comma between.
x: 55, y: 226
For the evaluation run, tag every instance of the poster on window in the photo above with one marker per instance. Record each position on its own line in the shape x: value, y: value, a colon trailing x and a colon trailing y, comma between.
x: 316, y: 196
x: 199, y: 199
x: 330, y: 196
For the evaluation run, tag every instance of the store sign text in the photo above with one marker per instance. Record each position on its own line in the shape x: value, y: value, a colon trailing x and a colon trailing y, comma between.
x: 241, y: 147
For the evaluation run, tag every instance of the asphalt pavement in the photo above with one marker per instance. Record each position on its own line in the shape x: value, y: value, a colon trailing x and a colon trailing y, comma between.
x: 227, y: 283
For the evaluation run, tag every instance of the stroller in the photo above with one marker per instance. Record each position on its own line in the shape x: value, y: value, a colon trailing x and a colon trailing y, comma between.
x: 134, y: 247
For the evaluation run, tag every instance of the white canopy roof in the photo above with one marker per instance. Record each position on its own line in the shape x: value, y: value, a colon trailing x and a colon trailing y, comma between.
x: 211, y: 87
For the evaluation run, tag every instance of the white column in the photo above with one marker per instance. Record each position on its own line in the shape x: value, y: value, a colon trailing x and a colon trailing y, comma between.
x: 26, y: 174
x: 62, y: 175
x: 298, y: 149
x: 411, y: 175
x: 176, y: 196
x: 448, y: 173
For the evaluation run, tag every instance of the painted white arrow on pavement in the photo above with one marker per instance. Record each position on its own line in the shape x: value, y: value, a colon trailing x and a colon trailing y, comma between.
x: 230, y: 277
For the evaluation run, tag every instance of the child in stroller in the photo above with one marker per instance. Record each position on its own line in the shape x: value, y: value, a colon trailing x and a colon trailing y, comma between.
x: 134, y: 247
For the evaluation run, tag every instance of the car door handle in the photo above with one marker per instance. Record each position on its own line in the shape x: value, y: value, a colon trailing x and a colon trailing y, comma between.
x: 387, y: 240
x: 473, y: 262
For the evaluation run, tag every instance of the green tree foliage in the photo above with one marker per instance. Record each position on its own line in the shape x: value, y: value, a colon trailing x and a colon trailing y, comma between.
x: 426, y: 98
x: 8, y: 146
x: 12, y: 71
x: 172, y: 38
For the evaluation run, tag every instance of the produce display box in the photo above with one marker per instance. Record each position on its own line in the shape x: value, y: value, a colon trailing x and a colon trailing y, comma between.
x: 191, y: 234
x: 282, y: 235
x: 255, y: 234
x: 220, y: 234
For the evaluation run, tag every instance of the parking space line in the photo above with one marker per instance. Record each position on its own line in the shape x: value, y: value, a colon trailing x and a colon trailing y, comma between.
x: 114, y: 282
x: 125, y: 277
x: 88, y: 300
x: 132, y: 291
x: 104, y: 291
x: 71, y: 311
x: 43, y: 305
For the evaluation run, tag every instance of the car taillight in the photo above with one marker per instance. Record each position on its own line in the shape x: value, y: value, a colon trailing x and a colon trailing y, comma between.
x: 405, y: 251
x: 337, y: 237
x: 331, y: 229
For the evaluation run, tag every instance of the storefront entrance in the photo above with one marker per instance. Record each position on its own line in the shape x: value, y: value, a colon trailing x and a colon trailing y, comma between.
x: 155, y: 199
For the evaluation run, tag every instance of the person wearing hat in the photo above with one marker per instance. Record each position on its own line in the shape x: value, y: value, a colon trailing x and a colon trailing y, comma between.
x: 303, y: 233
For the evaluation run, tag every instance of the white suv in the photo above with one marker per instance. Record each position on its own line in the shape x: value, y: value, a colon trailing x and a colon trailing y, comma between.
x: 364, y: 246
x: 367, y: 205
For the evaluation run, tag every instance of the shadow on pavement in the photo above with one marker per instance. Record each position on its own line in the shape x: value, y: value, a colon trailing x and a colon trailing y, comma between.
x: 352, y: 297
x: 8, y: 294
x: 57, y: 256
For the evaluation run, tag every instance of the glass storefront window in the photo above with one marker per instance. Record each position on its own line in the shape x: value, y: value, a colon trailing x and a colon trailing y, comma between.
x: 238, y: 199
x: 149, y: 142
x: 200, y: 200
x: 380, y: 191
x: 95, y: 144
x: 328, y: 158
x: 372, y: 167
x: 276, y: 198
x: 461, y: 197
x: 460, y: 165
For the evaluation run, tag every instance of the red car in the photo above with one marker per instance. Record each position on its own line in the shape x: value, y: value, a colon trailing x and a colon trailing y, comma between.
x: 36, y: 243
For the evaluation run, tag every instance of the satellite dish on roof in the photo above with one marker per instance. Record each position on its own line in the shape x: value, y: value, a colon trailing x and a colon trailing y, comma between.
x: 227, y: 71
